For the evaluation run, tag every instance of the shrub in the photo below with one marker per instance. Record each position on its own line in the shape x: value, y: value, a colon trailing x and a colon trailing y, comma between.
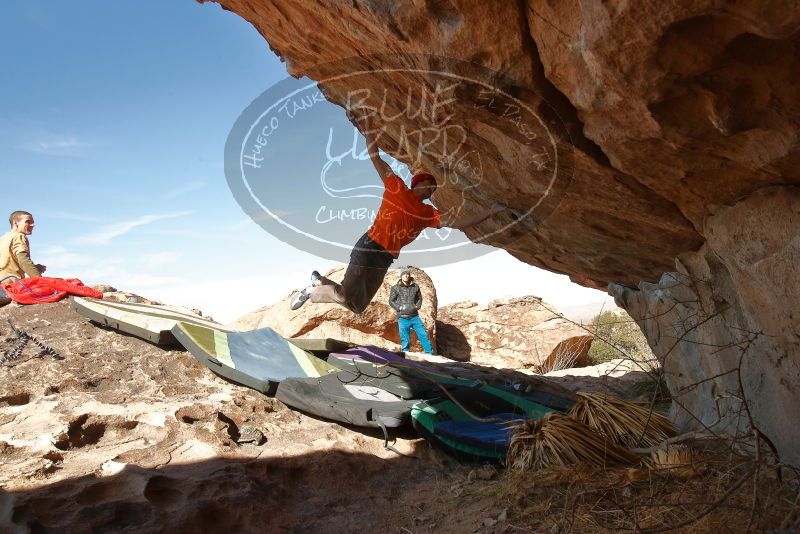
x: 617, y: 336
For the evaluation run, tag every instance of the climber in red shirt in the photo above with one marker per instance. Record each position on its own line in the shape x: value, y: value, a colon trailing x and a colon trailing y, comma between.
x: 400, y: 219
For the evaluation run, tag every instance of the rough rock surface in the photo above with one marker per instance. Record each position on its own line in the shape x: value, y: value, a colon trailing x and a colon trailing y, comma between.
x: 376, y: 326
x: 517, y: 333
x: 741, y: 330
x: 623, y: 377
x: 117, y: 434
x: 520, y: 333
x: 660, y: 114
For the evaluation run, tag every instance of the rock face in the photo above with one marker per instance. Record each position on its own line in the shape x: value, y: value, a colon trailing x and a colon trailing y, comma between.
x: 653, y: 116
x: 376, y: 326
x: 518, y: 333
x: 731, y: 312
x: 622, y: 377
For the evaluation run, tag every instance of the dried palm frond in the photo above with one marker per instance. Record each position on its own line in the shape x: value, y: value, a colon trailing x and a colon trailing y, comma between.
x: 675, y: 460
x: 557, y: 440
x: 628, y: 424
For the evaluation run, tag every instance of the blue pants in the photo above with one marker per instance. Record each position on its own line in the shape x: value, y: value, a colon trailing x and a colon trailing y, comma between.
x: 406, y: 324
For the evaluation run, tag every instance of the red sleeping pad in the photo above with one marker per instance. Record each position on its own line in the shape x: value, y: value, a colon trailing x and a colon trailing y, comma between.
x: 42, y: 289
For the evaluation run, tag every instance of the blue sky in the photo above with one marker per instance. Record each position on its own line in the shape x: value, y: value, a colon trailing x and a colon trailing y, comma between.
x: 113, y: 122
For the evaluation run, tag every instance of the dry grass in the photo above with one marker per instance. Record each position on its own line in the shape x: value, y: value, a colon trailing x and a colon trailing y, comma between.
x: 728, y: 495
x: 675, y: 460
x: 558, y: 440
x: 597, y: 431
x: 628, y: 424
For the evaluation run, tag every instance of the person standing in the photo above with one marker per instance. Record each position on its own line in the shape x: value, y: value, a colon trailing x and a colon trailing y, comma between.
x: 406, y: 299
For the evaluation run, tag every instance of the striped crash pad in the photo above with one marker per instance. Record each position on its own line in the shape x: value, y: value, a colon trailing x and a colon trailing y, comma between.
x: 258, y: 359
x: 146, y: 321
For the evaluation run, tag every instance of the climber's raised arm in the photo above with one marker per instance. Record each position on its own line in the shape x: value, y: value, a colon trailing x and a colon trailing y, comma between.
x: 371, y: 135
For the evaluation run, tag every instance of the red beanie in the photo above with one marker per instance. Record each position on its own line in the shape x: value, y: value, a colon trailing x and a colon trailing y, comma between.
x: 421, y: 177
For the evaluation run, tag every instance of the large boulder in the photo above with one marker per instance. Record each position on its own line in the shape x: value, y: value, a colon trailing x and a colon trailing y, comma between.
x: 742, y: 330
x: 517, y: 333
x: 377, y: 325
x: 661, y: 113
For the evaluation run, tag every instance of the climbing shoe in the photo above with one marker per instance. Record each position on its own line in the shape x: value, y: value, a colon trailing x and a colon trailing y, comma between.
x: 302, y: 296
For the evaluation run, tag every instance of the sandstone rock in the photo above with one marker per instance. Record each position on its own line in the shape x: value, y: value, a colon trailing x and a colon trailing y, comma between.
x: 599, y: 224
x: 376, y: 326
x: 520, y: 333
x: 725, y: 326
x: 104, y: 288
x: 668, y: 111
x: 622, y: 377
x: 125, y: 296
x: 517, y: 333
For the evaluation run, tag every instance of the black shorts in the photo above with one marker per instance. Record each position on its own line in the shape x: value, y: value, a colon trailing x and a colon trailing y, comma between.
x: 364, y: 275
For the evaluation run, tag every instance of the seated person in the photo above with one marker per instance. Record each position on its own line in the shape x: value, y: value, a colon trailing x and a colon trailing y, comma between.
x: 15, y: 251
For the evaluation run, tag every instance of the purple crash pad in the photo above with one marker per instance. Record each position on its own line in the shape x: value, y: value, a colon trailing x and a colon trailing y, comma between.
x: 373, y: 354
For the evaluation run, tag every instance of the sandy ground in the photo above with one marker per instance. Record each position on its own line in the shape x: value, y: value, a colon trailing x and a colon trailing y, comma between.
x: 118, y: 435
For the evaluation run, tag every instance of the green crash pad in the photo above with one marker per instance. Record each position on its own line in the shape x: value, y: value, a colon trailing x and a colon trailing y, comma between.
x: 150, y: 322
x: 470, y: 423
x: 259, y: 359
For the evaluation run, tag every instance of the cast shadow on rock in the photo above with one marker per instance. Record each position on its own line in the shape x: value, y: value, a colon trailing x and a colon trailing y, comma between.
x: 452, y: 343
x: 283, y: 494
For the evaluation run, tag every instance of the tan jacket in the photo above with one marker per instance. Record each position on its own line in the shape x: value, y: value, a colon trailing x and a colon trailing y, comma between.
x: 15, y: 257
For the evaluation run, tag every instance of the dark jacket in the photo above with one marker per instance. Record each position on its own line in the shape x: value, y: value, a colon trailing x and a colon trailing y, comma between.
x: 406, y: 300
